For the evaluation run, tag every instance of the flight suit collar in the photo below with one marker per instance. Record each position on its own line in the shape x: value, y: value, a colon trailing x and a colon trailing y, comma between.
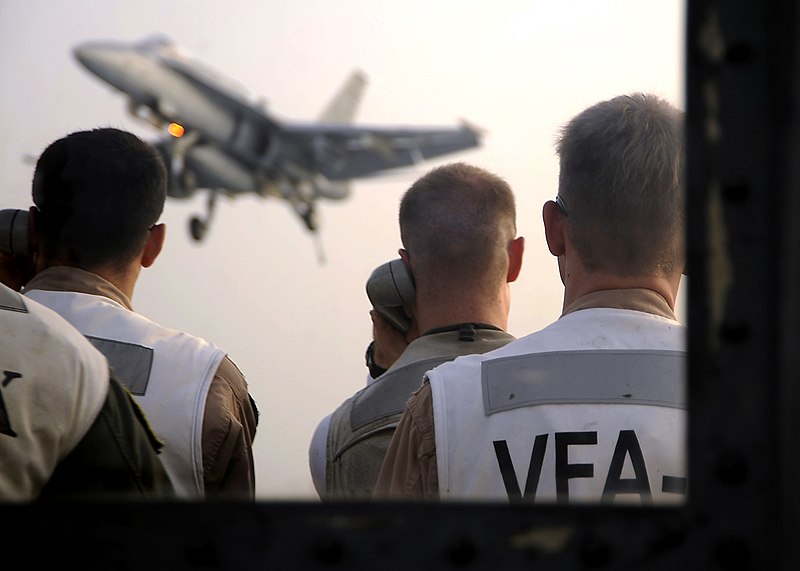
x: 65, y: 278
x: 636, y: 299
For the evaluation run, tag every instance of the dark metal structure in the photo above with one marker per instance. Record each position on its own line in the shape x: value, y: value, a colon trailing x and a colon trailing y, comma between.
x: 744, y: 333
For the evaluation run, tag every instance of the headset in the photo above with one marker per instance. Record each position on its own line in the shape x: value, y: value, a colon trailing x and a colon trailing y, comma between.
x: 14, y: 232
x: 389, y: 287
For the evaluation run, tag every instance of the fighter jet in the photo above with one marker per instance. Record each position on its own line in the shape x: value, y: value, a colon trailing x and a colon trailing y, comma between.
x: 218, y: 139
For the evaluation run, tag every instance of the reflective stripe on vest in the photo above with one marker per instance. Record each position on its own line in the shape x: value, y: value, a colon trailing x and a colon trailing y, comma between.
x: 584, y: 377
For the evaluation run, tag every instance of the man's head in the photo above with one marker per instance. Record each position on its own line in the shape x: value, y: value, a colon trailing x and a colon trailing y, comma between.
x: 98, y: 194
x: 457, y: 224
x: 621, y: 186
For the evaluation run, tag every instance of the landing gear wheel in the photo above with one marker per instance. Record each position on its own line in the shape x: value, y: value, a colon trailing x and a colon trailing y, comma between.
x: 310, y: 218
x: 197, y: 228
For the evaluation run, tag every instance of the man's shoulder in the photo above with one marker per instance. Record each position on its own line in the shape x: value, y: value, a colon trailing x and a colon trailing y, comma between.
x: 170, y: 336
x: 596, y: 328
x: 53, y: 380
x: 81, y: 302
x: 384, y: 399
x: 51, y: 333
x: 447, y: 346
x: 475, y: 359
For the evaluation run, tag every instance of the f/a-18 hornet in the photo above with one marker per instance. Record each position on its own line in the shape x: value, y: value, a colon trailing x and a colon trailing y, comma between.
x: 218, y: 139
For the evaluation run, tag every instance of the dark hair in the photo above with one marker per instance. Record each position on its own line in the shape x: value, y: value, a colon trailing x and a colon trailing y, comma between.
x: 98, y: 193
x: 456, y: 222
x: 621, y: 180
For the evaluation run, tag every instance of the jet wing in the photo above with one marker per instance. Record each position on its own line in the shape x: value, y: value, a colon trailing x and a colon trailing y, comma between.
x: 343, y: 152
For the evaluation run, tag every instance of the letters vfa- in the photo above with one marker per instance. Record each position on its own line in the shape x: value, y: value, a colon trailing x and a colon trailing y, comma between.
x: 627, y: 446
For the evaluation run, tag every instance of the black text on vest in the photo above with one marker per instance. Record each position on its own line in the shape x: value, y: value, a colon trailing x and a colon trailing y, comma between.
x: 627, y: 446
x: 5, y: 422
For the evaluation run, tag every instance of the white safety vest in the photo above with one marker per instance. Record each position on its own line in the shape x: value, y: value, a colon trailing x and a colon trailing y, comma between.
x: 52, y: 388
x: 590, y: 409
x: 168, y: 372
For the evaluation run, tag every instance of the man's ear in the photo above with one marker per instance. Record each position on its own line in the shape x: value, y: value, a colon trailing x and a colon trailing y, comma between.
x: 516, y: 249
x: 406, y: 258
x: 554, y: 228
x: 152, y: 248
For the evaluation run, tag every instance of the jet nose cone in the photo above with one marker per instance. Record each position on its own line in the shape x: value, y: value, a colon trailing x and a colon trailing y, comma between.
x: 81, y: 53
x: 99, y: 59
x: 89, y: 55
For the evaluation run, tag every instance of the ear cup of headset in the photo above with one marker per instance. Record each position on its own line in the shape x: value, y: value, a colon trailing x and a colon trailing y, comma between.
x: 14, y: 232
x: 403, y: 281
x: 389, y: 287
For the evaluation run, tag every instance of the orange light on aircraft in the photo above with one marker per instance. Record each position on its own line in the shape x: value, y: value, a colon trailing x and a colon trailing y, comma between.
x: 176, y: 130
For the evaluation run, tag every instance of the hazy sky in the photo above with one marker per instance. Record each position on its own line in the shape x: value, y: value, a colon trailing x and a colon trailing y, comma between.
x: 295, y: 327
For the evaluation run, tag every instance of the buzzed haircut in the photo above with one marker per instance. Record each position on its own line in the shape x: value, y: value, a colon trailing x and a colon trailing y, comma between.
x: 456, y: 222
x: 622, y: 184
x: 98, y: 192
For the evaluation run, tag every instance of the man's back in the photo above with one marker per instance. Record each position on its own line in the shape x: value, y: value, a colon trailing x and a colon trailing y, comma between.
x: 361, y: 428
x: 602, y: 398
x: 169, y: 372
x: 65, y: 431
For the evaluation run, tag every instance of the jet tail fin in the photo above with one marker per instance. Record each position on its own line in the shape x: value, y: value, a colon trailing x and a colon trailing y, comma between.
x: 342, y: 108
